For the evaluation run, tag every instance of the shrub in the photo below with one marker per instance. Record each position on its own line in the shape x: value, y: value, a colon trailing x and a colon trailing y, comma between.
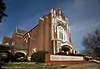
x: 38, y: 56
x: 13, y: 58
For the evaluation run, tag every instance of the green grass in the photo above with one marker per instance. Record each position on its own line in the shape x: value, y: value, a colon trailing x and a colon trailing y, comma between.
x: 32, y: 65
x: 27, y: 65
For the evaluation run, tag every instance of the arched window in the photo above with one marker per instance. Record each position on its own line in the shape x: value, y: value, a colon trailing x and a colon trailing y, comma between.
x: 61, y: 35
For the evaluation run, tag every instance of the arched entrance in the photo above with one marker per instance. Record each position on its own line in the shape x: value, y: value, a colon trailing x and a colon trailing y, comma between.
x: 19, y: 54
x: 65, y: 48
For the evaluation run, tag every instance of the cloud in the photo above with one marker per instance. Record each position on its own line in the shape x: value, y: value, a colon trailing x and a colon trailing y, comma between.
x: 83, y: 15
x: 84, y: 18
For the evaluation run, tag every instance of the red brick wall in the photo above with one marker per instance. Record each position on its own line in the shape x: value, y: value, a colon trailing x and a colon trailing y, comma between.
x: 47, y: 30
x: 18, y: 39
x: 41, y: 35
x: 32, y: 41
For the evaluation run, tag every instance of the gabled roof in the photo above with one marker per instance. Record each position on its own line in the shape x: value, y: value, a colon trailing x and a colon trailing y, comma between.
x: 19, y: 31
x: 7, y: 38
x: 31, y: 29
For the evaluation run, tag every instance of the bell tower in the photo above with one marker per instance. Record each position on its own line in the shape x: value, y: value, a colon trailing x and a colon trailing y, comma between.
x: 60, y: 33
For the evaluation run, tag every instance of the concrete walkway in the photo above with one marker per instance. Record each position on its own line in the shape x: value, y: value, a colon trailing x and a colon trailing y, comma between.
x: 96, y: 61
x: 89, y: 65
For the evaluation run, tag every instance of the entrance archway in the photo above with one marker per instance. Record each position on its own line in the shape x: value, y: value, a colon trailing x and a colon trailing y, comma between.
x: 20, y: 54
x: 65, y: 48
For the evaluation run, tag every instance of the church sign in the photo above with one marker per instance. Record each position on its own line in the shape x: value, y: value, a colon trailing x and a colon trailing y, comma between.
x: 66, y: 58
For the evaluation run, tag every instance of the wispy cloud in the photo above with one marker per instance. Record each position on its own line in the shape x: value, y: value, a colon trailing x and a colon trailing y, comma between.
x: 84, y: 18
x: 83, y: 15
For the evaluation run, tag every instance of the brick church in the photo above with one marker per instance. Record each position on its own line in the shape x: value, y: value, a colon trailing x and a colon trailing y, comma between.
x: 50, y: 34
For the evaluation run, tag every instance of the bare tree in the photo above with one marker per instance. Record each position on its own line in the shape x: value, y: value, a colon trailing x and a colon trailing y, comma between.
x: 2, y: 10
x: 91, y: 43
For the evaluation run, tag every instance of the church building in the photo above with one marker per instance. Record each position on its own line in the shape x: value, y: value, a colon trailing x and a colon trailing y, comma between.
x: 50, y: 34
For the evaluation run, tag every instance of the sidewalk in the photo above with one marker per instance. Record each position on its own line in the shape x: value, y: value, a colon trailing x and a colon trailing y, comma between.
x: 96, y: 61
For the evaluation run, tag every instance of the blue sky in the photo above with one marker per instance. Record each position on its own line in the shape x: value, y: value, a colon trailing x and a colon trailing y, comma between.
x: 83, y: 15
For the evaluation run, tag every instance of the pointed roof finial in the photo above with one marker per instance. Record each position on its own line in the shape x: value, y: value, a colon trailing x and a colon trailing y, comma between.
x: 59, y: 10
x: 16, y: 29
x: 52, y: 10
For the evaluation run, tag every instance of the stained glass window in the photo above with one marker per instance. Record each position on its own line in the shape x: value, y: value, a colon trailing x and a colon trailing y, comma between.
x: 61, y: 35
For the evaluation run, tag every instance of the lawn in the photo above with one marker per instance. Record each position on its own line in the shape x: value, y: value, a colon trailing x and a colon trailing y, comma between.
x: 32, y: 65
x: 27, y: 65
